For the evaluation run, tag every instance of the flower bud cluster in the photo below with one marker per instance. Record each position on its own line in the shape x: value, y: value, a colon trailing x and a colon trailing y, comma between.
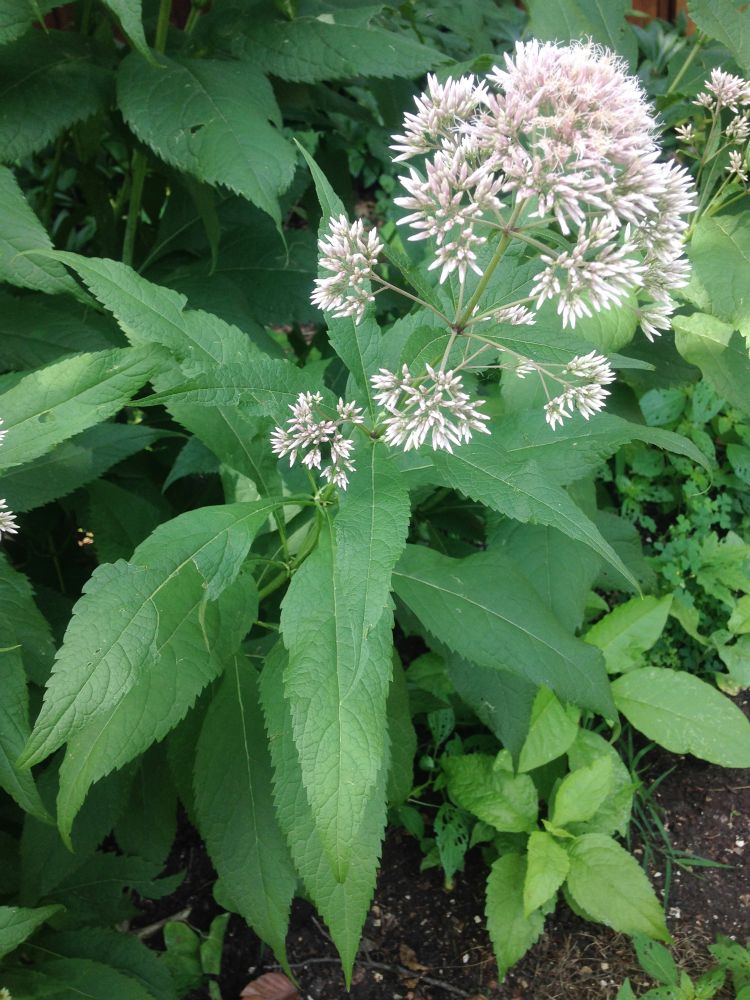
x: 431, y: 405
x: 310, y: 434
x: 587, y: 395
x: 562, y: 134
x: 8, y: 525
x: 350, y: 254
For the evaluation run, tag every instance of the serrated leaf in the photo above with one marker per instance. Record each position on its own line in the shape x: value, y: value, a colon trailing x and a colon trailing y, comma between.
x: 59, y: 401
x: 130, y: 16
x: 336, y: 623
x: 629, y: 630
x: 119, y: 630
x: 581, y: 792
x: 483, y: 471
x: 73, y: 464
x: 600, y: 20
x: 16, y: 17
x: 14, y: 732
x: 125, y: 952
x: 148, y: 825
x: 212, y: 119
x: 506, y: 801
x: 38, y: 329
x: 62, y: 978
x: 66, y: 86
x: 656, y: 961
x: 684, y: 714
x: 552, y: 730
x: 309, y: 49
x: 512, y: 932
x: 720, y: 19
x: 573, y: 452
x: 613, y: 815
x: 547, y: 867
x: 719, y: 352
x: 22, y: 624
x: 234, y: 808
x: 343, y: 904
x: 402, y: 737
x: 23, y: 232
x: 612, y: 888
x: 483, y: 609
x: 18, y: 923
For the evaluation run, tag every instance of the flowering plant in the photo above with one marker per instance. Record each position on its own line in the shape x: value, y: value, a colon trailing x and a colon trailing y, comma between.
x: 426, y: 460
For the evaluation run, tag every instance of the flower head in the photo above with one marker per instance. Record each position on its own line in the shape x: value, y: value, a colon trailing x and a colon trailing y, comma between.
x: 351, y: 255
x: 313, y: 436
x: 432, y: 405
x: 8, y: 525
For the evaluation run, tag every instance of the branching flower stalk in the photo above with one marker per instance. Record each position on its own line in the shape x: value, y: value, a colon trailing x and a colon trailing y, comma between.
x: 555, y: 153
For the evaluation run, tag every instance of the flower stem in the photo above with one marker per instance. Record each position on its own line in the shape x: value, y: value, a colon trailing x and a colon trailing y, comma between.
x: 699, y: 43
x: 408, y: 295
x: 138, y: 175
x: 496, y: 258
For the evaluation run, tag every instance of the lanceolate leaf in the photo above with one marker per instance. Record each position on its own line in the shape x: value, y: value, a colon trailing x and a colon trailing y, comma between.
x: 336, y: 623
x: 602, y: 20
x: 48, y: 81
x: 22, y: 624
x: 343, y: 903
x: 234, y: 807
x: 59, y: 401
x: 511, y: 930
x: 79, y: 977
x: 720, y: 19
x: 310, y: 49
x: 129, y: 14
x: 212, y: 119
x: 120, y: 630
x: 18, y: 922
x: 22, y: 232
x: 483, y: 609
x: 483, y: 471
x: 191, y: 646
x: 14, y: 731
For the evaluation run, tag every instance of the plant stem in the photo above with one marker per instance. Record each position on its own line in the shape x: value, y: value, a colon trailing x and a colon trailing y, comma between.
x: 497, y: 257
x: 162, y: 25
x: 408, y: 295
x: 138, y: 174
x: 49, y: 190
x: 699, y: 43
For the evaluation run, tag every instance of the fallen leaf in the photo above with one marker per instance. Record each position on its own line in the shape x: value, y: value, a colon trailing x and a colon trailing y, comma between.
x: 270, y: 986
x: 408, y: 959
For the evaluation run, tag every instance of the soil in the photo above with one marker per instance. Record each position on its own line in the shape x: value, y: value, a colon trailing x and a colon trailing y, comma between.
x: 423, y: 943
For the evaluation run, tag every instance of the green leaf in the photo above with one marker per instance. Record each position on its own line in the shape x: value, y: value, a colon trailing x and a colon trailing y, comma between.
x: 73, y: 464
x: 234, y: 808
x: 656, y: 961
x: 65, y: 87
x: 22, y: 624
x: 330, y: 202
x: 719, y: 352
x: 500, y: 699
x: 561, y: 570
x: 552, y: 729
x: 483, y: 471
x: 22, y: 232
x: 613, y: 815
x: 581, y: 792
x: 212, y: 119
x: 342, y: 904
x: 309, y: 49
x: 483, y: 609
x: 62, y: 978
x: 739, y: 459
x: 14, y: 732
x: 684, y: 714
x: 148, y: 825
x: 59, y: 401
x: 573, y: 451
x: 38, y: 329
x: 402, y: 737
x: 720, y: 255
x: 720, y: 19
x: 451, y: 830
x: 18, y: 923
x: 119, y: 519
x: 511, y: 931
x: 506, y: 801
x: 336, y: 622
x: 125, y: 952
x: 547, y: 867
x: 601, y: 20
x: 16, y: 17
x: 121, y: 627
x: 611, y: 887
x: 630, y: 630
x: 130, y: 16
